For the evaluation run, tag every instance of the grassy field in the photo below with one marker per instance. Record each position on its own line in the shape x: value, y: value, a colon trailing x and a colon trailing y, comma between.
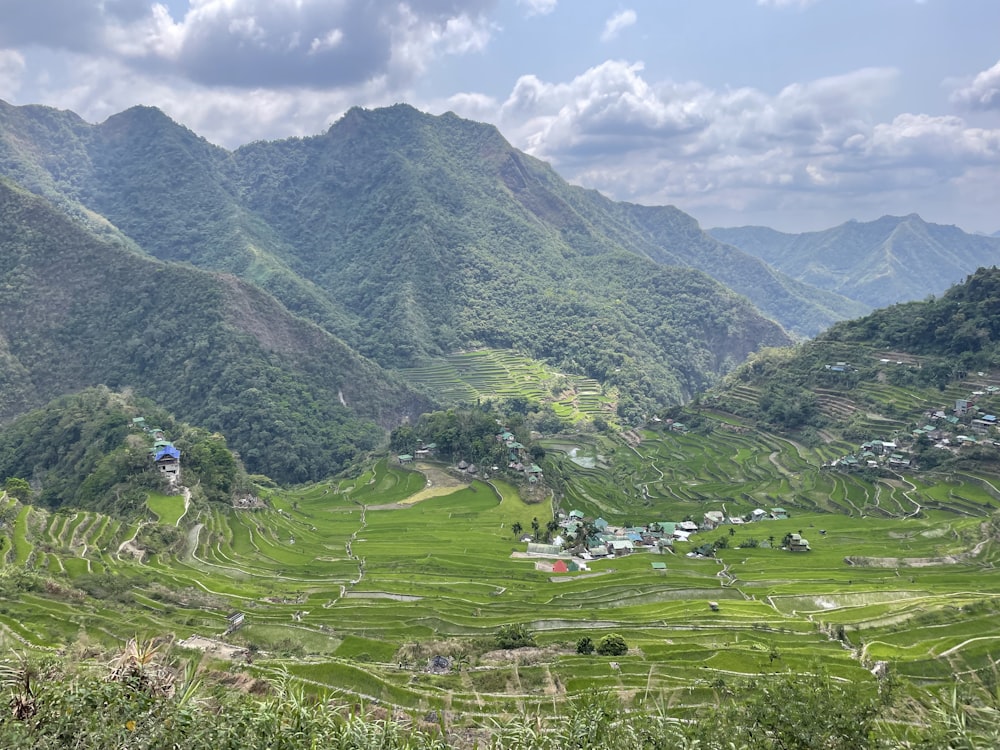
x: 353, y: 590
x: 354, y: 585
x: 167, y: 508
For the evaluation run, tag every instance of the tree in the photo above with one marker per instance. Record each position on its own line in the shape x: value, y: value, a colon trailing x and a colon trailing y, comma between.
x: 585, y: 645
x: 514, y: 636
x: 534, y: 528
x: 612, y: 645
x: 19, y: 489
x: 516, y: 529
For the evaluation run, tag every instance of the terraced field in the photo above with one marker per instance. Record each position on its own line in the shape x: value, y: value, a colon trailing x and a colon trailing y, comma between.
x: 493, y: 373
x: 352, y: 590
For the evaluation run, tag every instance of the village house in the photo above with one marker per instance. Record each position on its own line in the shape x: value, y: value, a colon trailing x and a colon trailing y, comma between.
x: 796, y: 543
x: 713, y: 519
x: 168, y: 460
x: 234, y: 621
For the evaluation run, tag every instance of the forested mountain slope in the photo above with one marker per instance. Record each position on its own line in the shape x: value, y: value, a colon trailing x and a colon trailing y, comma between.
x: 78, y: 310
x: 893, y: 259
x: 409, y: 236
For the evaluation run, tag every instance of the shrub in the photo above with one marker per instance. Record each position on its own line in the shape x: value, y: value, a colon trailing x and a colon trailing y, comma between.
x: 585, y: 645
x: 612, y: 645
x: 514, y: 636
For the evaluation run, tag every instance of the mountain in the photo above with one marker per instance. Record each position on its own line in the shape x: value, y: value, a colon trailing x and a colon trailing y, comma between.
x: 80, y: 310
x: 883, y: 374
x: 408, y: 236
x: 878, y: 263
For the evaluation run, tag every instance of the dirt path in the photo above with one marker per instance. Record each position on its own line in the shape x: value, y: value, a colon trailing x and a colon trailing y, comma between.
x: 187, y: 504
x: 192, y: 540
x: 129, y: 544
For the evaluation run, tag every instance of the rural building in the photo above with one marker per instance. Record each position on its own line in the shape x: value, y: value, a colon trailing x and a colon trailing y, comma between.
x: 621, y: 546
x: 796, y: 543
x: 560, y: 567
x: 713, y: 519
x: 779, y: 513
x: 168, y: 461
x: 235, y: 621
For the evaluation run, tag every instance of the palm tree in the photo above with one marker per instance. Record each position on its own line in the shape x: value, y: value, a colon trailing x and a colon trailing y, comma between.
x: 516, y: 528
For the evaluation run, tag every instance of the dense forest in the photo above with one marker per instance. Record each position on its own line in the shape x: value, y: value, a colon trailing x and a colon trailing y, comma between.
x: 407, y: 236
x: 77, y: 310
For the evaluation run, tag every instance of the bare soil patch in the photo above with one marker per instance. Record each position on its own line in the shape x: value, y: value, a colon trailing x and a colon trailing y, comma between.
x: 212, y: 646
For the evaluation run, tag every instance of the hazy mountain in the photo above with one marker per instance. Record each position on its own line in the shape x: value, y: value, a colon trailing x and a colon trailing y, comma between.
x: 409, y: 236
x: 892, y: 259
x: 79, y: 310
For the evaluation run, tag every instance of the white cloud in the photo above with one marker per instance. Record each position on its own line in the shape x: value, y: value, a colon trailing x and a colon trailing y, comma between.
x: 616, y: 23
x: 12, y: 67
x: 254, y: 43
x: 539, y: 7
x: 721, y: 151
x: 983, y: 92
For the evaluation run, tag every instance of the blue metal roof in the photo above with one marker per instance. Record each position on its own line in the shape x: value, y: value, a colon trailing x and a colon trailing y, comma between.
x: 167, y: 451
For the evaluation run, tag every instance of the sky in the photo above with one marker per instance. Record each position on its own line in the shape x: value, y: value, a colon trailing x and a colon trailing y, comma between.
x: 794, y: 114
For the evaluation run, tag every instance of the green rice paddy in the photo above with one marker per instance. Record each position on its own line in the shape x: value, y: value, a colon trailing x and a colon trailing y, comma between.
x: 337, y: 580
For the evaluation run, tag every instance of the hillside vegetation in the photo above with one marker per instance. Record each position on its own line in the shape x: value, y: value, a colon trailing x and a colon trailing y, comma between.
x: 409, y: 236
x: 78, y: 310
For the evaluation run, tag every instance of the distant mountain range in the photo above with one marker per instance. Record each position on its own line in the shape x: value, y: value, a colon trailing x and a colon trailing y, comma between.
x: 877, y: 263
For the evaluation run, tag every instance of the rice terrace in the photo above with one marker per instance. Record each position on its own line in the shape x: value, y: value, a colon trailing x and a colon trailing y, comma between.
x: 390, y: 586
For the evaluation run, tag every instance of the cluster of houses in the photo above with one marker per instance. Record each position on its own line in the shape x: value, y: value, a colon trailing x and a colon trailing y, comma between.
x: 967, y: 424
x: 518, y: 458
x: 873, y: 454
x: 163, y: 453
x: 606, y: 541
x: 426, y: 450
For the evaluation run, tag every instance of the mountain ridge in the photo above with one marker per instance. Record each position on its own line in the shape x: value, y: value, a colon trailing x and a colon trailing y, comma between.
x: 891, y: 259
x: 385, y: 232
